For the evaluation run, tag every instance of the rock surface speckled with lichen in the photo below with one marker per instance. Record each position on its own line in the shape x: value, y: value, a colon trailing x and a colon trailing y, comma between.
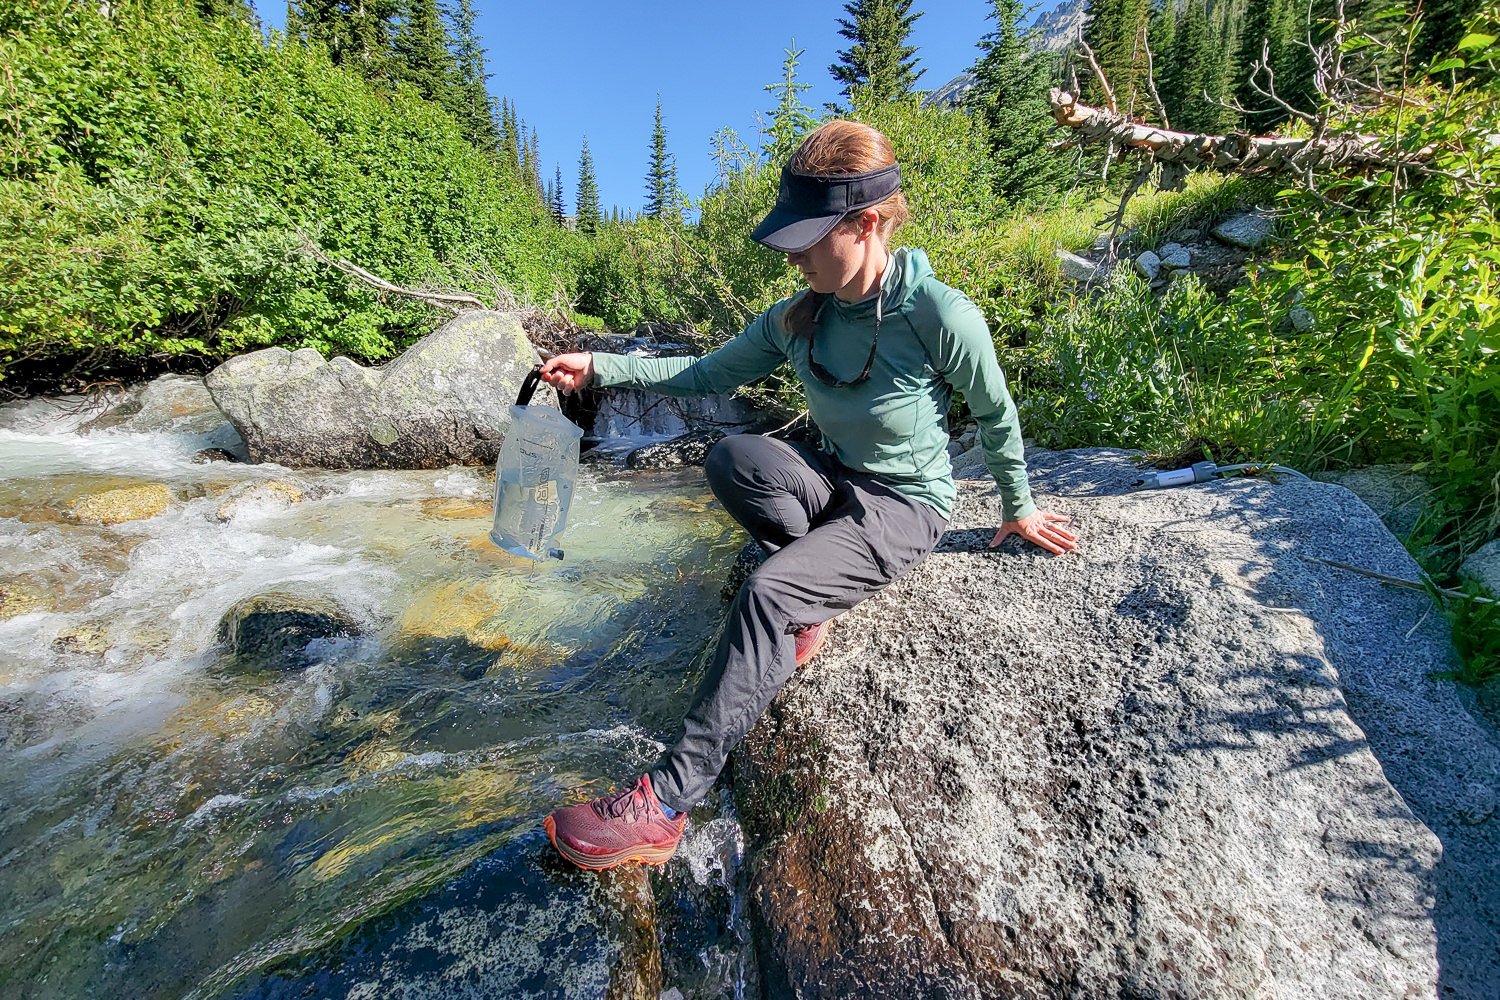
x: 445, y: 401
x: 1186, y: 761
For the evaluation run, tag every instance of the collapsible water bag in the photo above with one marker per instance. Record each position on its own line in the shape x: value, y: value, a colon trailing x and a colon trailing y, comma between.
x: 534, y: 477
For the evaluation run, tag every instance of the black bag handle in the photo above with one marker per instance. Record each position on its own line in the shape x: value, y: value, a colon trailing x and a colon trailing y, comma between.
x: 528, y: 385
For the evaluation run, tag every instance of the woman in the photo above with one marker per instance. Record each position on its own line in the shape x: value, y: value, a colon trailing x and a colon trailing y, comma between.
x: 879, y: 345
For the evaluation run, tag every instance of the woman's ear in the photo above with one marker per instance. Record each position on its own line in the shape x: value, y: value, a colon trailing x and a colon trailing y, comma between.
x: 869, y: 223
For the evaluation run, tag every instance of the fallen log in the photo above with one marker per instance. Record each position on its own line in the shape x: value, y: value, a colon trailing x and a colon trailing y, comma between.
x: 1239, y: 152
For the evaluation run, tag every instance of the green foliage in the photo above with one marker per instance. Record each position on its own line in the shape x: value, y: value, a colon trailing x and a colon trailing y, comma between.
x: 1476, y: 637
x: 879, y: 61
x: 357, y: 35
x: 158, y: 172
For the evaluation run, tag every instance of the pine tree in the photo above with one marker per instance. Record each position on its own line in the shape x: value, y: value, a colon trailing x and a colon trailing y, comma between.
x: 357, y: 33
x: 510, y: 139
x: 419, y: 52
x: 473, y: 105
x: 1009, y: 93
x: 1116, y: 31
x: 879, y: 61
x: 790, y: 118
x: 536, y: 167
x: 662, y: 199
x: 556, y: 203
x: 523, y: 157
x: 587, y: 202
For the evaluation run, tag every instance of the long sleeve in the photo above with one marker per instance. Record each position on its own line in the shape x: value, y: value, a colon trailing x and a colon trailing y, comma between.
x: 754, y: 354
x: 965, y: 354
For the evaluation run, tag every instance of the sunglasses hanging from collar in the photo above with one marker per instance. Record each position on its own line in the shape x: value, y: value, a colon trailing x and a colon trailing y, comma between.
x: 827, y: 377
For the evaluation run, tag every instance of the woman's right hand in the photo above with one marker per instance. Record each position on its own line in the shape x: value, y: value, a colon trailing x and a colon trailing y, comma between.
x: 569, y: 372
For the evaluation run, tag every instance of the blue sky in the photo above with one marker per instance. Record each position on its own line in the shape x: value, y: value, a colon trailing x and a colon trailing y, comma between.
x: 595, y: 67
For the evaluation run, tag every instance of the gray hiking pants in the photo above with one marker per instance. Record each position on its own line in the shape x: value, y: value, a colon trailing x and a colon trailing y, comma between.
x: 834, y: 537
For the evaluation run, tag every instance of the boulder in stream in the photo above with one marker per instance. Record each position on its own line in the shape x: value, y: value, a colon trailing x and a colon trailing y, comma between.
x: 273, y: 631
x: 445, y: 401
x: 1188, y: 760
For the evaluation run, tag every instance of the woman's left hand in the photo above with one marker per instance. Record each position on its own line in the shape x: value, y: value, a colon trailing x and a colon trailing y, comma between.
x: 1042, y: 528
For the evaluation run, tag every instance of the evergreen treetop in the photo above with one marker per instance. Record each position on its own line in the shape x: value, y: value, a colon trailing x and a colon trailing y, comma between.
x: 879, y: 60
x: 790, y: 118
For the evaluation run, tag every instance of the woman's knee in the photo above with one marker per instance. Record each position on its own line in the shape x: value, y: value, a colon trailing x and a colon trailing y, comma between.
x: 727, y: 461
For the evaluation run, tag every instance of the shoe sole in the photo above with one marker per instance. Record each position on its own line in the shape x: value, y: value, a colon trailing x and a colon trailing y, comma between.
x: 817, y: 647
x: 655, y: 856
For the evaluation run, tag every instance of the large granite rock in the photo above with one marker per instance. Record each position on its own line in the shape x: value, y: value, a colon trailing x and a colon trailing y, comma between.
x: 1186, y: 761
x: 445, y: 401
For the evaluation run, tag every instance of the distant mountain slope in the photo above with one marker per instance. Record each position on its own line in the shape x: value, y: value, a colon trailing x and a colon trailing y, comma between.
x: 1051, y: 31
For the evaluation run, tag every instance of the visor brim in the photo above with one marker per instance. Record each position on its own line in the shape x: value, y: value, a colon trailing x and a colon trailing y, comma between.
x: 788, y: 232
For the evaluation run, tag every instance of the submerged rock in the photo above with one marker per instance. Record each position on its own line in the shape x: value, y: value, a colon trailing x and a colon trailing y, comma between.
x: 689, y: 449
x: 273, y: 631
x: 445, y: 401
x: 17, y: 597
x: 128, y: 503
x: 268, y: 495
x: 1160, y: 766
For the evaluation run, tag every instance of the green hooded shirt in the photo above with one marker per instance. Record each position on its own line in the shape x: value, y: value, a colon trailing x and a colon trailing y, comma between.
x: 894, y: 425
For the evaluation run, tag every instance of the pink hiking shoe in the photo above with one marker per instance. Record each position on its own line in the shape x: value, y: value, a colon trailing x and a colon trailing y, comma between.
x: 627, y: 825
x: 810, y: 640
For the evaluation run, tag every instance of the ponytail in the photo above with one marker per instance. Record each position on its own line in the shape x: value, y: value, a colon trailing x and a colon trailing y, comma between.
x: 801, y: 317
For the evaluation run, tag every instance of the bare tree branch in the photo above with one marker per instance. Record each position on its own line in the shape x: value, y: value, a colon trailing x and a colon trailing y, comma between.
x: 1161, y: 109
x: 1109, y: 92
x: 453, y: 302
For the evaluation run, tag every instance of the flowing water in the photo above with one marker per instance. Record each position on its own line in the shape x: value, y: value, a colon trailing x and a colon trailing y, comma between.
x: 177, y: 821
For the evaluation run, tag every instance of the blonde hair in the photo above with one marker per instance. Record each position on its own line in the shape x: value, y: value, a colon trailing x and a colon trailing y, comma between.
x: 843, y: 147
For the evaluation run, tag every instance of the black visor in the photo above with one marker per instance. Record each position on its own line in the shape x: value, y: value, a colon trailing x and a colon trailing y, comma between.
x: 808, y: 206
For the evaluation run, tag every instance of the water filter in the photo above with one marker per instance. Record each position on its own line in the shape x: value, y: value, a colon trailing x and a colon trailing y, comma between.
x: 534, y: 477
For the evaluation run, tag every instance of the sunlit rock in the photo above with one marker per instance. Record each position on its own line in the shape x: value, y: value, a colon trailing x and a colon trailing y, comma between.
x: 1247, y: 230
x: 273, y: 631
x: 131, y: 503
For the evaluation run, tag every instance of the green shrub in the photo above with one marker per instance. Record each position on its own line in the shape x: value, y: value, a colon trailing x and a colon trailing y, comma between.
x: 158, y: 173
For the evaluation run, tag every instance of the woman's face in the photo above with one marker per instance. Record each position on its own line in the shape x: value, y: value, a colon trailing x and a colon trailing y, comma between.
x: 839, y: 260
